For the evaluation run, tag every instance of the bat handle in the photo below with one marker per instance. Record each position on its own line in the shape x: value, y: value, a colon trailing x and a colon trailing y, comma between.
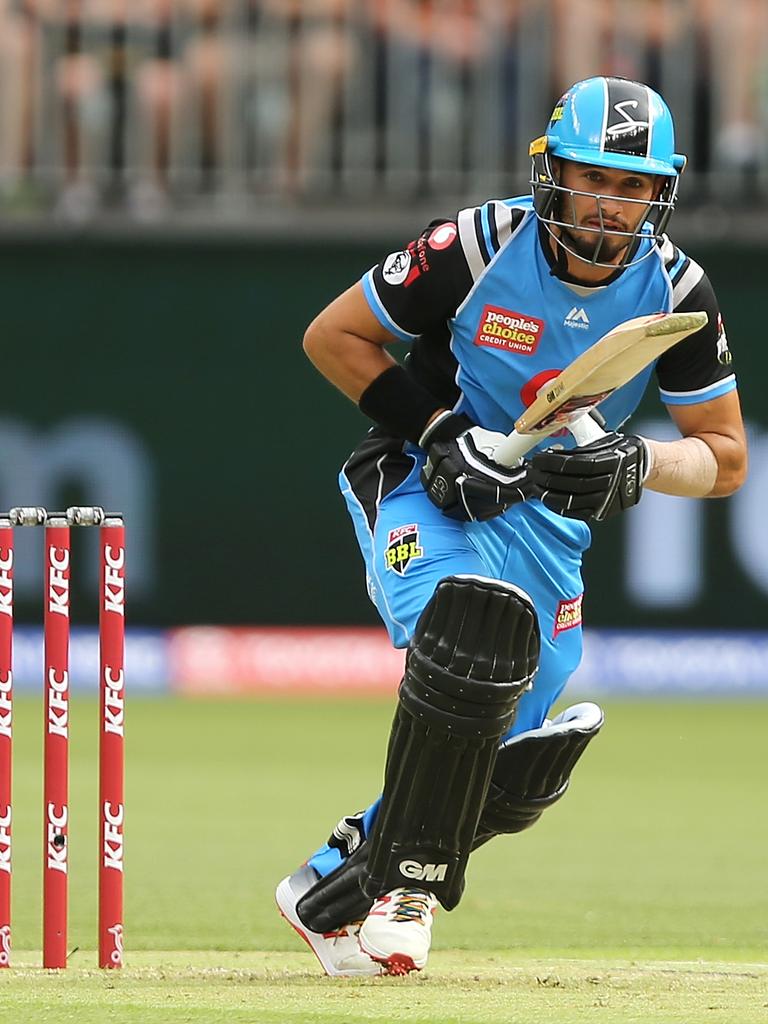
x: 514, y: 447
x: 584, y: 428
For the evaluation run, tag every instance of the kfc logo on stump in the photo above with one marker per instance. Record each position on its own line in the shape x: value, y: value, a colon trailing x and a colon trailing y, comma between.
x: 510, y: 331
x: 402, y: 548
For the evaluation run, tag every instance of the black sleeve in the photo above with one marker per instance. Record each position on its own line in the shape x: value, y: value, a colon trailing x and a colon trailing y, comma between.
x: 421, y: 286
x: 703, y: 358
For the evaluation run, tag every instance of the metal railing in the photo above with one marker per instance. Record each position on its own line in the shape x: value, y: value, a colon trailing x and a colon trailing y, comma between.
x: 236, y: 110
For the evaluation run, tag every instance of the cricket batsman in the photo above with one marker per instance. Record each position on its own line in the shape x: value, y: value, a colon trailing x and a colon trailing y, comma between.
x: 474, y: 567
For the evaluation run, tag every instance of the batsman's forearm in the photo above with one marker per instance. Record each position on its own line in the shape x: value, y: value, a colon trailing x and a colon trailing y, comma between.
x: 695, y: 468
x: 347, y: 360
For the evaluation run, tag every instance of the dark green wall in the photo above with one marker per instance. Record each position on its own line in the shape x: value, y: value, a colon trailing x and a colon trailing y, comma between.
x: 196, y: 347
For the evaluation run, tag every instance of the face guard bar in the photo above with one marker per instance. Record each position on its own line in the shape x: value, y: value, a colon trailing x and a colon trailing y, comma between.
x: 551, y: 198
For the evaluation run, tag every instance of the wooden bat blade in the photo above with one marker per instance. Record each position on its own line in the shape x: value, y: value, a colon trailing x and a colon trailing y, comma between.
x: 607, y: 365
x: 594, y: 375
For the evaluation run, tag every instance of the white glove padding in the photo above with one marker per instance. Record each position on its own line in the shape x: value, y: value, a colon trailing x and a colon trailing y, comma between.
x: 462, y: 478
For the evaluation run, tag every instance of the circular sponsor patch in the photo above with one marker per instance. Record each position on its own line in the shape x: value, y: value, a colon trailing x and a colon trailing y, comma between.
x: 396, y: 267
x: 532, y: 388
x: 442, y: 236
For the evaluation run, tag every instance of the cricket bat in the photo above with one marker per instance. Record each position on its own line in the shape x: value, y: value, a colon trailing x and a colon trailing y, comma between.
x: 607, y: 365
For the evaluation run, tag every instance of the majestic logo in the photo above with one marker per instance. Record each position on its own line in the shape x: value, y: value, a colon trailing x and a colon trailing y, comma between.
x: 628, y: 125
x: 5, y: 945
x: 423, y: 872
x: 568, y: 614
x: 577, y: 318
x: 512, y: 332
x: 402, y: 548
x: 724, y: 356
x: 396, y: 267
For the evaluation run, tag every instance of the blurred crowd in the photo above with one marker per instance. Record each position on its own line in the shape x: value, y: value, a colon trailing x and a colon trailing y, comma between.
x: 137, y: 102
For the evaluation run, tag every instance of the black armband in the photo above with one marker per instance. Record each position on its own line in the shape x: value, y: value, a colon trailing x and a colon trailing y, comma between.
x: 399, y: 404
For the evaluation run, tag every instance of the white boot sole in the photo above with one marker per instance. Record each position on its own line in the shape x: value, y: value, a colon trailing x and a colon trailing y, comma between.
x: 284, y: 897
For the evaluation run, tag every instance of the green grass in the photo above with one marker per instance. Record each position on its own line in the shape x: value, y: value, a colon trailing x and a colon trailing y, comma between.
x: 641, y: 897
x: 278, y: 988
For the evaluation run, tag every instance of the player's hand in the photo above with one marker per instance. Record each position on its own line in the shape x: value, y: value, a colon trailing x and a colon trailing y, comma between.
x: 595, y: 481
x: 462, y: 478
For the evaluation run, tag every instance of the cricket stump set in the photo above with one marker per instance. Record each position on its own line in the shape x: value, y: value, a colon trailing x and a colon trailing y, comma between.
x: 56, y: 623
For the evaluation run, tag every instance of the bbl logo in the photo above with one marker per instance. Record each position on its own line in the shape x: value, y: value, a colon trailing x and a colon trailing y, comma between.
x: 557, y: 113
x: 402, y: 548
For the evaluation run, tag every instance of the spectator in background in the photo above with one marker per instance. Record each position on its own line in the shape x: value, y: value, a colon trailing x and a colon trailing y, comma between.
x: 304, y: 54
x: 738, y: 31
x: 226, y: 94
x: 17, y: 86
x: 613, y: 37
x: 717, y: 48
x: 108, y: 57
x: 428, y: 53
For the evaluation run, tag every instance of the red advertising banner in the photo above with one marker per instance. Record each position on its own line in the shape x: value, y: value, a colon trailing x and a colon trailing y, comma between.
x: 215, y: 660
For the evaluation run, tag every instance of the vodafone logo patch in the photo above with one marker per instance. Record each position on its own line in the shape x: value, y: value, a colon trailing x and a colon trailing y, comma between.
x: 442, y: 236
x: 505, y: 329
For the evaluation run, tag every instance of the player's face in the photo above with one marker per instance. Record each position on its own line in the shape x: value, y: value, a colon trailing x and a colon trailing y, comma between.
x: 613, y: 211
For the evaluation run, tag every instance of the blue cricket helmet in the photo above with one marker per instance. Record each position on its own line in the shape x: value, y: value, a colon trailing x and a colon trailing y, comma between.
x: 610, y: 122
x: 614, y: 122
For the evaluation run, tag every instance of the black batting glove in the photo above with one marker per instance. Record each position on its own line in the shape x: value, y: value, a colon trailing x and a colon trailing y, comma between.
x: 592, y: 482
x: 462, y: 478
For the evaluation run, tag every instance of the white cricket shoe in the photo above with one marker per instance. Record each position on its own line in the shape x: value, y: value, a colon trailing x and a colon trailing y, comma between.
x: 398, y: 930
x: 338, y: 952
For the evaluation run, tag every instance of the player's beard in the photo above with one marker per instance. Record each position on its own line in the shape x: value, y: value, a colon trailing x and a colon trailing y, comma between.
x: 593, y: 249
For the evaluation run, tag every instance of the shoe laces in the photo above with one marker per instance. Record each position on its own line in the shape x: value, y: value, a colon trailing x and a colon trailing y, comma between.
x: 411, y: 905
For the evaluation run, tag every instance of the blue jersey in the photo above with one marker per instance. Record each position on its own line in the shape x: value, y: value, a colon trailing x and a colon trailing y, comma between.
x: 491, y: 318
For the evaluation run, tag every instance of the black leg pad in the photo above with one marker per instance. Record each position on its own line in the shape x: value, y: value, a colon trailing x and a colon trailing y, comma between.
x: 338, y: 898
x: 533, y: 771
x: 474, y: 652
